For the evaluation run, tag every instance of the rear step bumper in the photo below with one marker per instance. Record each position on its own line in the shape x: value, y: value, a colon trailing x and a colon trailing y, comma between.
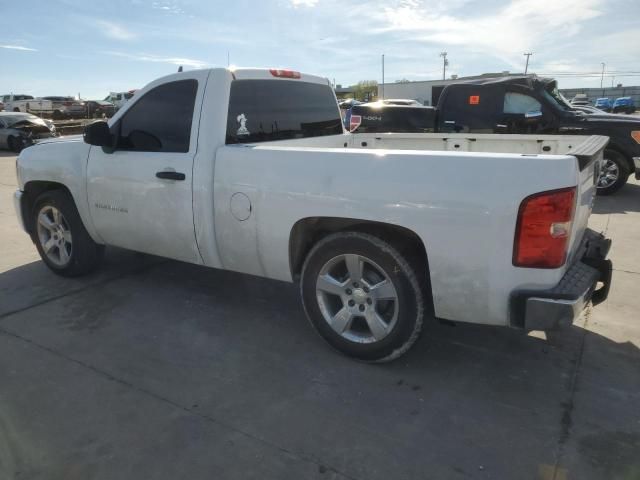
x: 562, y: 305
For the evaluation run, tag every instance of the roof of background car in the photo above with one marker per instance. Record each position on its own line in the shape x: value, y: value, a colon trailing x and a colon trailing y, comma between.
x: 17, y: 114
x: 526, y: 80
x: 380, y: 105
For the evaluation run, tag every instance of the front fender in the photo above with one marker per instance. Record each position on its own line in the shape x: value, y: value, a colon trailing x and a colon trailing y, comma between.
x: 61, y: 161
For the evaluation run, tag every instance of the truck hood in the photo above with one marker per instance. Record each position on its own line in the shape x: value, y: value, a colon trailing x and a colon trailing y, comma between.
x: 612, y: 119
x: 65, y: 139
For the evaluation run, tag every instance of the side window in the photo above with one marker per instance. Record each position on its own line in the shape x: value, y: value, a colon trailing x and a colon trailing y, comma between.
x: 160, y: 121
x: 5, y: 99
x: 518, y: 103
x: 118, y: 97
x: 470, y: 108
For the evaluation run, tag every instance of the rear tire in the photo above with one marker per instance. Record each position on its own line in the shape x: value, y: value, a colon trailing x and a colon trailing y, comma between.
x: 615, y: 173
x: 362, y: 296
x: 60, y: 237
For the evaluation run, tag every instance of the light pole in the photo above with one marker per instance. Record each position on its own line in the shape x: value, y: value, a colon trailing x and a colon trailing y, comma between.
x: 602, y: 75
x: 444, y: 64
x: 526, y: 67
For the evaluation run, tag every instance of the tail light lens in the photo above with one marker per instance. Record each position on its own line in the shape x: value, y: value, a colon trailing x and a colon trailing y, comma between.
x: 544, y: 228
x: 354, y: 122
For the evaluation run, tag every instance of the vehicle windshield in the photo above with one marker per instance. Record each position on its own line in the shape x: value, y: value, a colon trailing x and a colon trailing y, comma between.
x: 553, y: 94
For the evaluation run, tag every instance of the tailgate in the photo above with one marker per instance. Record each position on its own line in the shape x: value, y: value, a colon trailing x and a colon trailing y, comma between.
x: 589, y: 156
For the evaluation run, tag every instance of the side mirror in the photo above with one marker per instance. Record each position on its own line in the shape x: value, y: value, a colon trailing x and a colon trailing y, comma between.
x: 98, y: 134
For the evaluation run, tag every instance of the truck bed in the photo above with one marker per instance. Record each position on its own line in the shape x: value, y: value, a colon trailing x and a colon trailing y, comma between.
x: 450, y: 142
x: 462, y: 201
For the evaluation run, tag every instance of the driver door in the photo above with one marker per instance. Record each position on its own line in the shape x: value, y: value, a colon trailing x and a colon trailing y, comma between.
x: 140, y: 194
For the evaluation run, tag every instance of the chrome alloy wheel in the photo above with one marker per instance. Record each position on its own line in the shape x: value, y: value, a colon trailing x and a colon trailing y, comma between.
x: 609, y: 174
x: 357, y: 298
x: 54, y: 235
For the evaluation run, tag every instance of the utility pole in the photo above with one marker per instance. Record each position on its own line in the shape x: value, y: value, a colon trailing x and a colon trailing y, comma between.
x: 228, y: 59
x: 382, y: 91
x: 602, y: 75
x: 526, y: 67
x: 445, y: 62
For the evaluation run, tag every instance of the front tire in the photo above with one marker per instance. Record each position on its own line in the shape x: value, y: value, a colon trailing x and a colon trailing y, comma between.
x: 614, y: 174
x: 362, y: 296
x: 60, y: 237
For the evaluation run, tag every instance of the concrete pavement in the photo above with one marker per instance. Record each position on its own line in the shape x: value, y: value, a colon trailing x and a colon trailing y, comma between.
x: 158, y: 369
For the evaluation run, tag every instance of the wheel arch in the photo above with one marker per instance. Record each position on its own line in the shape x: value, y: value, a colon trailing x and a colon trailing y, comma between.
x: 306, y: 232
x: 32, y: 190
x: 615, y: 147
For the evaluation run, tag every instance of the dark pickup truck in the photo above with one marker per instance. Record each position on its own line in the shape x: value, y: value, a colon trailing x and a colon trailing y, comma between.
x: 519, y: 105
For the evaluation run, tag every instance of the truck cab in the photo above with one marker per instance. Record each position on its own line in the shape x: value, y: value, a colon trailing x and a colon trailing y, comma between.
x: 533, y: 105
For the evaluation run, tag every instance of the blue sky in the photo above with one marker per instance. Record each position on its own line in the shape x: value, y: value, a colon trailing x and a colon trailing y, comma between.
x: 66, y: 47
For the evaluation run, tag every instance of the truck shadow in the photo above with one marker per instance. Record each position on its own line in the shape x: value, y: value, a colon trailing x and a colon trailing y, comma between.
x: 625, y: 200
x: 238, y: 349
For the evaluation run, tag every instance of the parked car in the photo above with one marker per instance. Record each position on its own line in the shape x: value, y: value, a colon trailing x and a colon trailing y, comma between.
x: 348, y: 103
x: 67, y: 107
x: 580, y: 99
x: 26, y: 104
x: 380, y: 117
x: 605, y: 104
x: 19, y: 130
x: 100, y: 109
x: 533, y: 105
x: 118, y: 99
x: 623, y: 105
x: 378, y: 228
x: 400, y: 101
x: 1, y: 106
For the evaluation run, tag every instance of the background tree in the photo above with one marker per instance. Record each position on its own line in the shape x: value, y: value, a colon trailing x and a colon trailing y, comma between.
x: 366, y: 90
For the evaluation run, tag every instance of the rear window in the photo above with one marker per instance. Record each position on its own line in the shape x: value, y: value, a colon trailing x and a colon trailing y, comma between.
x: 267, y: 110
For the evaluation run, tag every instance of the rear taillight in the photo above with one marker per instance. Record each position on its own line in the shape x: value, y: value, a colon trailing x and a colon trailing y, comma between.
x: 543, y: 229
x: 354, y: 122
x: 284, y: 73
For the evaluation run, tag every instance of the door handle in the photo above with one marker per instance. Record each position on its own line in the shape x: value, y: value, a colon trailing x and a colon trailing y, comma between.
x: 169, y: 175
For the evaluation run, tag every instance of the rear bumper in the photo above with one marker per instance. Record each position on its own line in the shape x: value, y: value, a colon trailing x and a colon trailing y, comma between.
x: 562, y: 305
x: 636, y: 165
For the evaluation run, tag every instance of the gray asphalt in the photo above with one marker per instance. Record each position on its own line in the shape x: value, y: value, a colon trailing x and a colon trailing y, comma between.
x: 154, y: 369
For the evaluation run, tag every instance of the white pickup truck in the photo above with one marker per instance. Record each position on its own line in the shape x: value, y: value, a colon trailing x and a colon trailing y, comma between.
x: 250, y: 170
x: 26, y: 104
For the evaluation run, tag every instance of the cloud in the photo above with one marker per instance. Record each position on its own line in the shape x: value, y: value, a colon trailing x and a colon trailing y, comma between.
x: 511, y: 30
x: 304, y: 3
x: 168, y: 7
x: 115, y: 31
x: 186, y: 62
x: 18, y: 47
